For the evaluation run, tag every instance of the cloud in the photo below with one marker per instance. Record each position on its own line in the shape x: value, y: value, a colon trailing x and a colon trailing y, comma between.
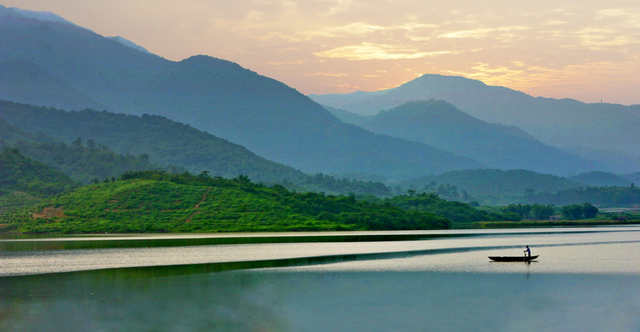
x: 370, y: 51
x: 326, y: 74
x: 481, y: 33
x: 358, y: 28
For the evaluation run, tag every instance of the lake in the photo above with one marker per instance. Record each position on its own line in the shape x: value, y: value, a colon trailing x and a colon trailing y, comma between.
x: 586, y: 279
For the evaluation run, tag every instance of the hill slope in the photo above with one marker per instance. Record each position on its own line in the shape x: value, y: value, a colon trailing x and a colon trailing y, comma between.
x: 555, y: 122
x: 19, y: 173
x: 163, y: 140
x: 220, y: 97
x: 141, y: 141
x: 84, y: 163
x: 440, y: 124
x: 600, y: 179
x: 157, y: 202
x: 24, y: 82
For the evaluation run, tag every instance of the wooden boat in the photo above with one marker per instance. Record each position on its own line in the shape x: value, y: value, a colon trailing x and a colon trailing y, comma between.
x: 512, y: 258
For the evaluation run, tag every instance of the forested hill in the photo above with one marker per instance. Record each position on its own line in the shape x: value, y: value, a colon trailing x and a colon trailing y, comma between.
x: 84, y: 162
x: 600, y: 179
x: 147, y: 143
x: 159, y: 202
x: 217, y: 96
x: 440, y: 124
x: 164, y: 141
x: 19, y: 173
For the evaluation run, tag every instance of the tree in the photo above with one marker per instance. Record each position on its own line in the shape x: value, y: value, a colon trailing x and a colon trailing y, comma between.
x: 542, y: 212
x: 77, y: 143
x: 589, y: 210
x: 573, y: 211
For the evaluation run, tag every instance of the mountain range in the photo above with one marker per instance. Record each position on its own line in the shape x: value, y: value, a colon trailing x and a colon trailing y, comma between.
x: 440, y: 124
x: 75, y: 68
x: 608, y: 129
x: 52, y: 62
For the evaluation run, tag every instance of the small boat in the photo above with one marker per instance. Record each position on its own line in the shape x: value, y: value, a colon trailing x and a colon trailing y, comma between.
x: 512, y: 258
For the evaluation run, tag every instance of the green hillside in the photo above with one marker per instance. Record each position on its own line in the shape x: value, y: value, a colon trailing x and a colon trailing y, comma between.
x: 158, y: 202
x: 24, y: 181
x: 19, y: 173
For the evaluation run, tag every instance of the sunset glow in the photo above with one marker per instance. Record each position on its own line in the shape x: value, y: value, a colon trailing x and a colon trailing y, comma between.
x: 586, y: 50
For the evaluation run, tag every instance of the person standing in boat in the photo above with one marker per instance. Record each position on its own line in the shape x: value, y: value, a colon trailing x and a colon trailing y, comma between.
x: 528, y: 252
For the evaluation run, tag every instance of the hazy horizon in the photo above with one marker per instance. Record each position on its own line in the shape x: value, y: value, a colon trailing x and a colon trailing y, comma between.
x: 586, y: 51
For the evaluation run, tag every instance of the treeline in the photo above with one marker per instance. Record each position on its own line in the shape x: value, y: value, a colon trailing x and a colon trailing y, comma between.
x: 453, y: 210
x: 329, y: 184
x: 602, y: 196
x: 579, y: 211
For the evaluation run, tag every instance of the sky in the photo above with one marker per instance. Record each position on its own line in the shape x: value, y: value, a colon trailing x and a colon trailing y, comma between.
x: 586, y: 50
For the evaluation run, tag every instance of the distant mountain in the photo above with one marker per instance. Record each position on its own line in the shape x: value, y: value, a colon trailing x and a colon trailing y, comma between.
x: 220, y: 97
x: 600, y: 179
x: 634, y: 177
x: 615, y: 160
x: 128, y: 43
x: 442, y: 125
x: 24, y: 82
x: 560, y: 123
x: 36, y: 15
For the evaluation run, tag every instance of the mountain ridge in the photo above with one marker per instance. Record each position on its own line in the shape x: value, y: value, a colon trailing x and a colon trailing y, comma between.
x: 556, y: 122
x: 440, y: 124
x: 220, y: 97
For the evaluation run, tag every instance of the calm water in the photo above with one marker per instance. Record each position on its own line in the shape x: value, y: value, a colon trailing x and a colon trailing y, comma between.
x: 584, y: 280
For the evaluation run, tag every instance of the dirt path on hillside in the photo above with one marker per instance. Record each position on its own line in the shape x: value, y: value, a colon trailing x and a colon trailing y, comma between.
x: 197, y: 207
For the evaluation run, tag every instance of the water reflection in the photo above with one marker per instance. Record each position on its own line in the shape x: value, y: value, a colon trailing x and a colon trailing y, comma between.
x: 275, y: 300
